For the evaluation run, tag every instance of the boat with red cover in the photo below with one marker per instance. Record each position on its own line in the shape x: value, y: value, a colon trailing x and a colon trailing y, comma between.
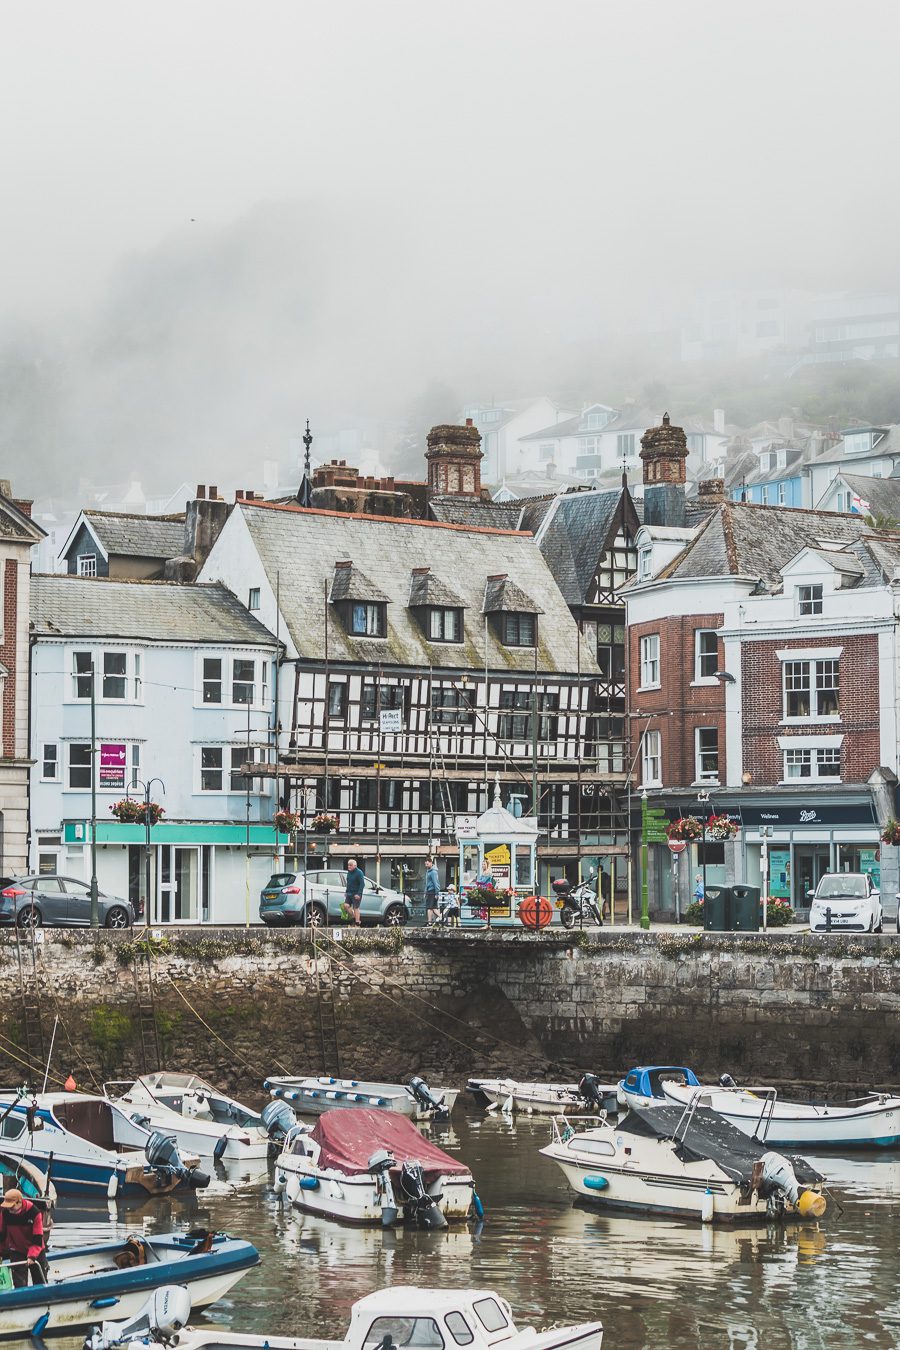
x: 364, y: 1165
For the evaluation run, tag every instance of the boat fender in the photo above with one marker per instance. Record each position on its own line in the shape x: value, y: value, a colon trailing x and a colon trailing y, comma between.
x: 112, y: 1188
x: 104, y: 1303
x: 708, y: 1207
x: 292, y: 1187
x: 477, y: 1206
x: 221, y: 1145
x: 309, y: 1183
x: 597, y: 1183
x: 279, y: 1183
x: 381, y: 1101
x: 40, y: 1326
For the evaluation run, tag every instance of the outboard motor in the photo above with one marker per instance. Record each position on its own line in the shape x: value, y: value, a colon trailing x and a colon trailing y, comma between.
x: 726, y: 1081
x: 162, y: 1317
x: 162, y: 1155
x: 426, y: 1098
x: 379, y: 1165
x: 418, y: 1206
x: 779, y: 1176
x: 589, y: 1088
x: 277, y: 1118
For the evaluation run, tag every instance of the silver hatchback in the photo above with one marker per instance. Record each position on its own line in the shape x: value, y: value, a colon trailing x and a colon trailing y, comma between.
x: 317, y: 898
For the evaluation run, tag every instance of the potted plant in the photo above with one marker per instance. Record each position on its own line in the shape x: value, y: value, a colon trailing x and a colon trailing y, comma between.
x: 721, y: 828
x: 686, y: 827
x: 287, y: 822
x: 694, y: 914
x: 131, y: 812
x: 324, y: 823
x: 891, y: 832
x: 778, y: 912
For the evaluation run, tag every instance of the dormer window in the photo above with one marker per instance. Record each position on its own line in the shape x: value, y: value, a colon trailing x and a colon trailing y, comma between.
x: 368, y: 619
x: 445, y: 624
x: 857, y: 443
x: 809, y: 599
x: 645, y: 563
x: 519, y: 630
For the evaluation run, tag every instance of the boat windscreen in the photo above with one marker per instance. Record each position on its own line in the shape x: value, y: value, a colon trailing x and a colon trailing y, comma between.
x: 708, y: 1135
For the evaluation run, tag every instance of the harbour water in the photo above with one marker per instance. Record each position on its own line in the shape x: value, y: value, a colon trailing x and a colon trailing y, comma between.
x: 652, y: 1283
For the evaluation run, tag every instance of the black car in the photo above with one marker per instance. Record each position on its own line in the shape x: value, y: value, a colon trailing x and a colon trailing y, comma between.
x: 30, y: 902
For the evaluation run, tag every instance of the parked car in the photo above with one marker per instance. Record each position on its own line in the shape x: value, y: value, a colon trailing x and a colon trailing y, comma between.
x: 285, y: 897
x: 854, y: 904
x: 30, y: 902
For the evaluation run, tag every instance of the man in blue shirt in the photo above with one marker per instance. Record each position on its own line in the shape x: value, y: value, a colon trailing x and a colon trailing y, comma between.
x: 354, y: 891
x: 432, y: 889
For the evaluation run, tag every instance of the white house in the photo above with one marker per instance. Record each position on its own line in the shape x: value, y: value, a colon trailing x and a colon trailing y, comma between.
x: 503, y: 430
x: 870, y: 451
x: 184, y: 697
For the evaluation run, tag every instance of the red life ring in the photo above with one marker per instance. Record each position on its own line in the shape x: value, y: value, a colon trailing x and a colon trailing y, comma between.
x: 535, y: 911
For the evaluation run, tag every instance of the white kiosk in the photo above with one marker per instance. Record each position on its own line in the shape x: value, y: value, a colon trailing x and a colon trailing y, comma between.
x: 503, y: 847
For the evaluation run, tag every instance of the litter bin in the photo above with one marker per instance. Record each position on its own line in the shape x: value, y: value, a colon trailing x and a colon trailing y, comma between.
x: 717, y: 909
x: 745, y: 909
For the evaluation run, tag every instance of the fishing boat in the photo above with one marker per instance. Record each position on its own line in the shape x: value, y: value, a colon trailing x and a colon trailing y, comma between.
x: 872, y: 1121
x: 546, y: 1099
x: 683, y: 1161
x: 312, y: 1096
x: 16, y: 1173
x: 93, y: 1147
x: 121, y: 1275
x: 475, y: 1318
x: 372, y: 1166
x: 200, y: 1119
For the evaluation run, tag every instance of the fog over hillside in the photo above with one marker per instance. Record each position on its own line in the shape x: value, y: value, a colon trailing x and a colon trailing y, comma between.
x: 221, y: 220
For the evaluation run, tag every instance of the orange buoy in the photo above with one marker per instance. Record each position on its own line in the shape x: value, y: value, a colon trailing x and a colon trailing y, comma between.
x: 71, y: 1085
x: 535, y: 911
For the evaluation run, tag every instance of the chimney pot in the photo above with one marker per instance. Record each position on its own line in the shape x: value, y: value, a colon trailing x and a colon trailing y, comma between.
x: 213, y: 492
x: 201, y: 492
x: 468, y: 421
x: 238, y: 494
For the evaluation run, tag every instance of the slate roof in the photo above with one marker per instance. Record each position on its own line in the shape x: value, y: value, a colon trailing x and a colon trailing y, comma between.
x: 888, y: 445
x: 152, y: 611
x: 349, y: 582
x: 882, y: 494
x: 301, y: 547
x: 502, y: 596
x: 575, y: 536
x: 747, y: 539
x: 427, y: 589
x: 469, y: 511
x: 138, y: 536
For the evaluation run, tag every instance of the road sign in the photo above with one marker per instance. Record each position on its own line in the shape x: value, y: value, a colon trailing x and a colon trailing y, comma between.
x: 656, y: 812
x: 677, y: 845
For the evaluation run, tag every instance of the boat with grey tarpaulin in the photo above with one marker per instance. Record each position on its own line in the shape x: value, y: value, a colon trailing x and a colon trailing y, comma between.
x: 310, y: 1096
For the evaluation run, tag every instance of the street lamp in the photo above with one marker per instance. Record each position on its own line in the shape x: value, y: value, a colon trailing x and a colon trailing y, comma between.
x: 138, y: 782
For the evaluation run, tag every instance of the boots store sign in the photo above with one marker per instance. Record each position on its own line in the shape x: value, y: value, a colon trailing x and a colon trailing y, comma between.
x: 853, y: 813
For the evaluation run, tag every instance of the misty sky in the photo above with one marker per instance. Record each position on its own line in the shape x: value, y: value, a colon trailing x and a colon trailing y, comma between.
x: 221, y: 218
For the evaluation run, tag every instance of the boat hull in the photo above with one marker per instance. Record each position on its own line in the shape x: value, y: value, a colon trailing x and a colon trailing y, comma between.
x: 314, y: 1096
x: 539, y: 1099
x: 81, y: 1177
x: 357, y: 1199
x: 73, y: 1302
x: 797, y: 1125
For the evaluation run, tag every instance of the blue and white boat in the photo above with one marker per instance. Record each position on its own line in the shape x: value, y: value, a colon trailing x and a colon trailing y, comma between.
x: 91, y: 1147
x: 115, y: 1279
x: 872, y: 1121
x: 310, y: 1096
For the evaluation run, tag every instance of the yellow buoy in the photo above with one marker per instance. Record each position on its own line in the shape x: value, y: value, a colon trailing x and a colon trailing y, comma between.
x: 811, y: 1205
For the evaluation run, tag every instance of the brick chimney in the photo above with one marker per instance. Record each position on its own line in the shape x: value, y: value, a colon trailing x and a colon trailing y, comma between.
x: 663, y: 454
x: 454, y: 458
x: 711, y: 492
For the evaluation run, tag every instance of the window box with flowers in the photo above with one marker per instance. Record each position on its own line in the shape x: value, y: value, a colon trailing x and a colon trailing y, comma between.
x: 721, y: 828
x: 485, y: 897
x: 131, y: 812
x: 891, y: 833
x: 324, y: 823
x: 686, y: 828
x: 287, y: 822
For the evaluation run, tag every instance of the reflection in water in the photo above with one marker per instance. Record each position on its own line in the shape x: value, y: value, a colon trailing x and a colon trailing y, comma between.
x: 653, y: 1283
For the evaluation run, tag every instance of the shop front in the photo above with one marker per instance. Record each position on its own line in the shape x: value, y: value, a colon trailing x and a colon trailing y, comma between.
x: 805, y: 839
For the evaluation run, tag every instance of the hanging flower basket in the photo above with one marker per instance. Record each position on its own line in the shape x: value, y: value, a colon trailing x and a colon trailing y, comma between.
x: 131, y: 812
x: 287, y: 822
x: 324, y: 823
x: 891, y: 833
x: 686, y: 827
x: 487, y: 896
x: 721, y: 828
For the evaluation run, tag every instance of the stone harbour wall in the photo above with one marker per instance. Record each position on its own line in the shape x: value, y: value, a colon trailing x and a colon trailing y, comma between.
x: 235, y: 1005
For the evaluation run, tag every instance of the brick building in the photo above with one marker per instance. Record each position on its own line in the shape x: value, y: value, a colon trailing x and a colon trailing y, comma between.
x: 764, y: 669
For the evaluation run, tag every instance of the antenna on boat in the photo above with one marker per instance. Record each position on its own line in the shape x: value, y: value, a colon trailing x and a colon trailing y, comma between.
x: 50, y: 1055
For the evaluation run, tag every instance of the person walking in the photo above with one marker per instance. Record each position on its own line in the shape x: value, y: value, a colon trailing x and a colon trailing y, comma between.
x: 699, y: 888
x: 353, y: 893
x: 432, y: 889
x: 22, y: 1239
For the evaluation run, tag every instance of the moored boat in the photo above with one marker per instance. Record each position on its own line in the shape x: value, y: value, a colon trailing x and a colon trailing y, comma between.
x: 475, y: 1318
x: 547, y: 1099
x: 201, y: 1119
x: 872, y: 1121
x: 310, y: 1096
x: 687, y: 1162
x: 121, y: 1274
x: 93, y: 1147
x: 372, y: 1166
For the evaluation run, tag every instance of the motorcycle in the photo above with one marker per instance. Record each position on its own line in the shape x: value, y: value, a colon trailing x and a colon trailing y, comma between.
x: 577, y: 903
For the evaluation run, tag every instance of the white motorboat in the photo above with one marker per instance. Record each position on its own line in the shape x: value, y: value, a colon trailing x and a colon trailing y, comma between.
x: 873, y: 1121
x: 121, y: 1274
x: 546, y: 1099
x: 311, y: 1096
x: 92, y: 1147
x: 688, y: 1162
x: 373, y: 1166
x: 400, y: 1315
x: 201, y: 1119
x: 30, y: 1180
